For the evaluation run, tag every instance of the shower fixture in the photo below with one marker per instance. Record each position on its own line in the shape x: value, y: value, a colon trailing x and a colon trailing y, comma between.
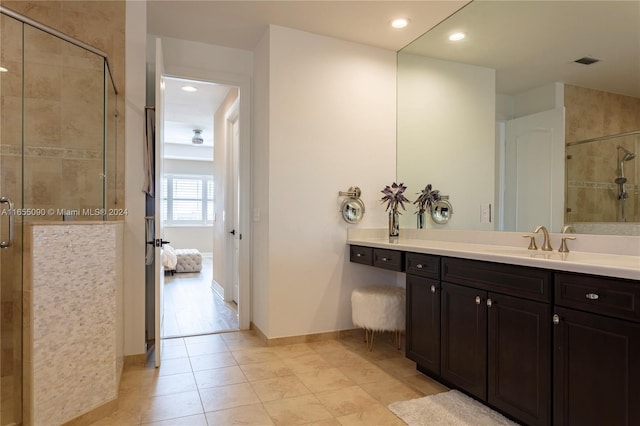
x: 621, y: 180
x: 197, y: 137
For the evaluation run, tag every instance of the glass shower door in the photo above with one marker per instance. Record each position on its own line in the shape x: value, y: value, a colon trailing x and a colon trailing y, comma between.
x: 11, y: 188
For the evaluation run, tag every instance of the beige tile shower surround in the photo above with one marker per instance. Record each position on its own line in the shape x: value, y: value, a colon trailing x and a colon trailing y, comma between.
x: 592, y: 193
x: 73, y: 351
x: 59, y: 163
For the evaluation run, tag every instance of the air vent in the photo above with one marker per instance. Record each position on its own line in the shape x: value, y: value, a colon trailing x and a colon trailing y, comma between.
x: 587, y: 60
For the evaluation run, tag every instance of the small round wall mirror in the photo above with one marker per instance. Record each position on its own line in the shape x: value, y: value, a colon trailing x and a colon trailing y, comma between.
x: 352, y: 210
x: 441, y: 212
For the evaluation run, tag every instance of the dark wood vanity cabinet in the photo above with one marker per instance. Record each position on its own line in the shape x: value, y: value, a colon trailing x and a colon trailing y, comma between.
x: 596, y: 351
x: 464, y: 339
x: 519, y: 363
x: 496, y: 341
x: 520, y: 338
x: 423, y: 311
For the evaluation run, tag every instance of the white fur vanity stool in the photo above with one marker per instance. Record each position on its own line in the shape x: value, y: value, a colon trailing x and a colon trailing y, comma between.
x: 379, y: 308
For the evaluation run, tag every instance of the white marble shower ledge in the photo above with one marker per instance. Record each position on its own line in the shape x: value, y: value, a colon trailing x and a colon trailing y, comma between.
x: 605, y: 255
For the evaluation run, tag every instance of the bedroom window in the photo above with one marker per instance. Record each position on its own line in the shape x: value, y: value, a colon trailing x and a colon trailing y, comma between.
x: 187, y: 199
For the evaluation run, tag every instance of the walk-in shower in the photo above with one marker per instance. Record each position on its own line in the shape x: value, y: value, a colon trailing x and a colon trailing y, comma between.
x: 57, y: 160
x: 603, y: 182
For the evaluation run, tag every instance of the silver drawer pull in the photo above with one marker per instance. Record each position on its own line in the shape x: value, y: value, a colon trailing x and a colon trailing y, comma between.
x: 489, y: 303
x: 358, y: 254
x: 433, y: 289
x: 419, y: 266
x: 384, y: 259
x: 593, y: 296
x: 556, y: 319
x: 478, y: 300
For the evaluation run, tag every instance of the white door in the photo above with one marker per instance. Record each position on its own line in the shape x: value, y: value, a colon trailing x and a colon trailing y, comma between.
x: 235, y: 138
x: 534, y: 172
x: 159, y: 228
x: 232, y: 245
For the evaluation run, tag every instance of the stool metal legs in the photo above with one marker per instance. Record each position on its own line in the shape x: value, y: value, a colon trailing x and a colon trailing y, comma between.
x: 369, y: 341
x: 369, y: 335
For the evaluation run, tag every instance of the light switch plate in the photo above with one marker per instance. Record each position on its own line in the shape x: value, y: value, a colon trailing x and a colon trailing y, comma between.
x: 485, y: 213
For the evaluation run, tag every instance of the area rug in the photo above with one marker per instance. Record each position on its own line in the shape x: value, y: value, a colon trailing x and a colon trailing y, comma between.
x: 452, y: 408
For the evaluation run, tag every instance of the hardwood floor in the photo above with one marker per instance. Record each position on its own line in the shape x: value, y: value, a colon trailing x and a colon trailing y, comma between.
x: 191, y: 307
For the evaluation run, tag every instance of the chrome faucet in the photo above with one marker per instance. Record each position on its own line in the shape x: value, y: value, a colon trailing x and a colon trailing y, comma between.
x: 546, y: 245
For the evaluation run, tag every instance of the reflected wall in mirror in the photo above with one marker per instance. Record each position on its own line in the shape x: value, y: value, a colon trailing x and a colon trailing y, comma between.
x: 492, y: 118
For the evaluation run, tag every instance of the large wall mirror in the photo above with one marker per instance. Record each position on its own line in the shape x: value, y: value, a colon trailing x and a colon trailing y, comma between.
x: 535, y: 112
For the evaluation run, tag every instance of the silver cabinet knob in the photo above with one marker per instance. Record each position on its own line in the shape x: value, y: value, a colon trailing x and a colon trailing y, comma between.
x: 433, y: 289
x: 556, y: 319
x: 489, y: 302
x: 384, y: 259
x: 419, y: 266
x: 358, y: 254
x: 478, y: 300
x: 593, y: 296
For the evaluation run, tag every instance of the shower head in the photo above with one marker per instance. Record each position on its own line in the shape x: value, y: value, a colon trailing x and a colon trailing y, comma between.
x: 628, y: 155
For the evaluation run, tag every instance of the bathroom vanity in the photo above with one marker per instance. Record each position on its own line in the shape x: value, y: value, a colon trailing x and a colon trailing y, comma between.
x: 544, y: 337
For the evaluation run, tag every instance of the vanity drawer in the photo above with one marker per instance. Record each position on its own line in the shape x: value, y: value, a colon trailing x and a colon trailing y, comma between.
x: 513, y: 280
x: 362, y: 255
x: 424, y: 265
x: 388, y: 259
x: 608, y: 296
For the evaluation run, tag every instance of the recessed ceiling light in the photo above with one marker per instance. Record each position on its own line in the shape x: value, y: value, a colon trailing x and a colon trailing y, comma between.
x: 400, y: 23
x: 457, y: 36
x: 189, y: 89
x: 3, y: 69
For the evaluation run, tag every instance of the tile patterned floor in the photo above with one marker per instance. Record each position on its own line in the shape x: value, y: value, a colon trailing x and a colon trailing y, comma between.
x: 234, y: 379
x: 191, y: 307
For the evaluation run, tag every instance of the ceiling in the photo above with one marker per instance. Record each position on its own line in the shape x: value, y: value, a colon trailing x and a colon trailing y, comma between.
x: 534, y: 43
x: 186, y: 111
x: 504, y: 35
x: 241, y: 25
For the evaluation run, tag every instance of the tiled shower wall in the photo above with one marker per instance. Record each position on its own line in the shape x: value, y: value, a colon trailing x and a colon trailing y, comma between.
x: 593, y: 168
x: 73, y: 347
x: 63, y: 107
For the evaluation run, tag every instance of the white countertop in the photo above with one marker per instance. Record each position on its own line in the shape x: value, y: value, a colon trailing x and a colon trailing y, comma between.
x: 511, y: 248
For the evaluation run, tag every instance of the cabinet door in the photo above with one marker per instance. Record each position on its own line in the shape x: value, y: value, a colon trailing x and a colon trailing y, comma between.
x: 423, y: 322
x: 519, y: 364
x: 464, y: 338
x: 597, y: 370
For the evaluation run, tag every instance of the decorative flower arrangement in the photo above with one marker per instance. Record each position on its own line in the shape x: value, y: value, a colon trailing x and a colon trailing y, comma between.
x: 427, y: 199
x: 394, y: 196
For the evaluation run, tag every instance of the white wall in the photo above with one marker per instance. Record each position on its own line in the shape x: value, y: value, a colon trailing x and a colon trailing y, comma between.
x: 134, y: 238
x: 325, y: 122
x: 538, y: 99
x: 190, y: 237
x: 446, y: 134
x: 260, y: 185
x: 188, y: 167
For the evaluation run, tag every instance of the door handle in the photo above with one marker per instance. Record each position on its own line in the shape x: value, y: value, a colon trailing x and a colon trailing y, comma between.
x: 159, y: 242
x: 12, y: 222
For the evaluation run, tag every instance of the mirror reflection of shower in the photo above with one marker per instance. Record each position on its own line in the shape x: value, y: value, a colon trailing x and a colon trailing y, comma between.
x: 621, y: 180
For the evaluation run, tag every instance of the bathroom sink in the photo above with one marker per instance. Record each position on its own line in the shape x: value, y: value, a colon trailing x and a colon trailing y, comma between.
x: 536, y: 254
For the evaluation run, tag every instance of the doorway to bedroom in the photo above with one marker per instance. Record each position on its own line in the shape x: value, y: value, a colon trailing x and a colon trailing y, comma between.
x: 197, y: 187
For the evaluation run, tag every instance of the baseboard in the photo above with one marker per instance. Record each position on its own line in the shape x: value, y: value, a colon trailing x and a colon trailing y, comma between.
x: 217, y: 288
x: 94, y: 415
x: 135, y: 360
x: 304, y: 338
